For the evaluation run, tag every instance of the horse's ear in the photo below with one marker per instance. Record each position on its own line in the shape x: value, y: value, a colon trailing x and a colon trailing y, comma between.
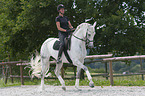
x: 94, y: 24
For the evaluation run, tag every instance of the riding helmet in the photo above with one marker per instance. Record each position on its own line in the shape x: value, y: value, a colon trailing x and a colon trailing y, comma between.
x: 60, y: 6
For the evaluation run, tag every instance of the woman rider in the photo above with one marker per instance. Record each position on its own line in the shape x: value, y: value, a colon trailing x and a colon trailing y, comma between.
x: 64, y: 27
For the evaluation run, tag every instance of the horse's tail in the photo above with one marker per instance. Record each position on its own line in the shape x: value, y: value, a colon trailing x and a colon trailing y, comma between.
x: 35, y: 63
x: 35, y: 66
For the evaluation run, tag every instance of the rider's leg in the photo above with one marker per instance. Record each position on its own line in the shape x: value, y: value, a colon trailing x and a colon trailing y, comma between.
x: 67, y: 56
x: 61, y: 48
x: 60, y: 54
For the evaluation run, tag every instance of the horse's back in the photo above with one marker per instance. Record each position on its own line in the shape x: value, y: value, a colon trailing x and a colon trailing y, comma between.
x: 47, y: 46
x: 49, y: 40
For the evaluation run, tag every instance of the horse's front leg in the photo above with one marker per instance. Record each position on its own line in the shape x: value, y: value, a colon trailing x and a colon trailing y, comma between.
x: 57, y: 72
x: 91, y: 84
x: 78, y: 77
x: 79, y: 64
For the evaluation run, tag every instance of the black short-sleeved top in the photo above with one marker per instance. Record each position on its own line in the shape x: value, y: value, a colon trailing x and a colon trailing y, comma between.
x: 63, y: 22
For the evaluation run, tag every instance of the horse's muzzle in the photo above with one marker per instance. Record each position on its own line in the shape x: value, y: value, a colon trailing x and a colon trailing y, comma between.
x: 91, y: 45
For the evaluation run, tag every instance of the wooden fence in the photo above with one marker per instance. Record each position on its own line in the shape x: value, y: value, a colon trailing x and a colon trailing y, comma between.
x: 105, y: 59
x: 110, y: 60
x: 9, y: 65
x: 24, y: 63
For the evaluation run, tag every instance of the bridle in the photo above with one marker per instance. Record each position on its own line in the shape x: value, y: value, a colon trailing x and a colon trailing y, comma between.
x: 85, y: 40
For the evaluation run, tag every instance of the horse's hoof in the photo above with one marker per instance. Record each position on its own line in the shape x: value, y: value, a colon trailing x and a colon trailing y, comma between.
x: 64, y: 88
x: 42, y: 87
x: 78, y: 88
x: 91, y: 84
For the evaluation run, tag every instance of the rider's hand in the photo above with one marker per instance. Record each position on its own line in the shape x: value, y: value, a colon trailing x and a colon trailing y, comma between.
x: 72, y: 29
x: 69, y: 30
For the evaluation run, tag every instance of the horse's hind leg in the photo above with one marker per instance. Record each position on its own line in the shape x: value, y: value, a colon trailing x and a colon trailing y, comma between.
x: 57, y: 72
x: 45, y: 68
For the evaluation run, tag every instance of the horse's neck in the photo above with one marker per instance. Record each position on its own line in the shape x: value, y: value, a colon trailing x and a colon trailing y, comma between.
x: 78, y: 44
x: 80, y: 33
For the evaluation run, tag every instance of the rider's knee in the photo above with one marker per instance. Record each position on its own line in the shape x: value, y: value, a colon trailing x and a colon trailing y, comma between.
x: 62, y: 44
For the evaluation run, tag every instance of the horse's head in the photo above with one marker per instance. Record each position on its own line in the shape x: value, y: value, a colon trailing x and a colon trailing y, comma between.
x: 85, y: 32
x: 90, y: 33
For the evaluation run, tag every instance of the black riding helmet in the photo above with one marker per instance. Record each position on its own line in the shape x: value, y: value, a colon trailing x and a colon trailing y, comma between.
x: 59, y: 7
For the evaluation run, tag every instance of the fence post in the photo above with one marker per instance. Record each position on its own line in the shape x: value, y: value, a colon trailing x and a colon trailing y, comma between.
x: 82, y: 75
x: 6, y: 74
x: 106, y: 71
x: 141, y: 68
x: 74, y: 71
x: 21, y: 72
x: 111, y: 72
x: 62, y: 72
x: 11, y: 73
x: 3, y: 70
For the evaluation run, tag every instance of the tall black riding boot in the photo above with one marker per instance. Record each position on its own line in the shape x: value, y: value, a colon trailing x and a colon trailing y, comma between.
x: 59, y: 54
x: 67, y: 57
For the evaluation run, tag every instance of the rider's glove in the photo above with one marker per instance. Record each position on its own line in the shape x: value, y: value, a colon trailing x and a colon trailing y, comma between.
x: 70, y: 30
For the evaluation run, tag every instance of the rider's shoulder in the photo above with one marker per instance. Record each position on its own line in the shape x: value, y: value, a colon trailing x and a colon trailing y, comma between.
x: 57, y: 18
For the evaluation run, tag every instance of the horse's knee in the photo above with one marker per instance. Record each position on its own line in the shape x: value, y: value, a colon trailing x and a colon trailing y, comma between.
x: 62, y: 44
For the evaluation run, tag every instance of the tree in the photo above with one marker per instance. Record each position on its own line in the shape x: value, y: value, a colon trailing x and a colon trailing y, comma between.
x: 120, y: 35
x: 8, y: 12
x: 26, y: 24
x: 34, y: 24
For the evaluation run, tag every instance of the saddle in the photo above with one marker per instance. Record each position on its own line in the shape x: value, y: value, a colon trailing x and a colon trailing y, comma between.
x: 67, y: 42
x: 67, y: 47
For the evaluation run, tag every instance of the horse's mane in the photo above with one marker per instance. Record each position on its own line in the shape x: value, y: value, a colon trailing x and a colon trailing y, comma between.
x: 79, y: 26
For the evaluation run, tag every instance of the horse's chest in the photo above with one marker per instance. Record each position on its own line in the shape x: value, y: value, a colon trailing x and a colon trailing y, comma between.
x: 81, y: 51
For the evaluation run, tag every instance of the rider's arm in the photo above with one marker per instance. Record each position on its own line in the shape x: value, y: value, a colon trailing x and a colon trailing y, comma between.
x: 69, y: 24
x: 59, y: 28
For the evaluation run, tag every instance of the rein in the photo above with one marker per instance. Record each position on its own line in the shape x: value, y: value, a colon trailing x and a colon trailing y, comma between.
x: 79, y: 38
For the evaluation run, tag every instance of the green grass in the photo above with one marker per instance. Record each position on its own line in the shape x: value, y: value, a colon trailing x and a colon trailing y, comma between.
x: 98, y: 81
x: 72, y: 82
x: 129, y: 83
